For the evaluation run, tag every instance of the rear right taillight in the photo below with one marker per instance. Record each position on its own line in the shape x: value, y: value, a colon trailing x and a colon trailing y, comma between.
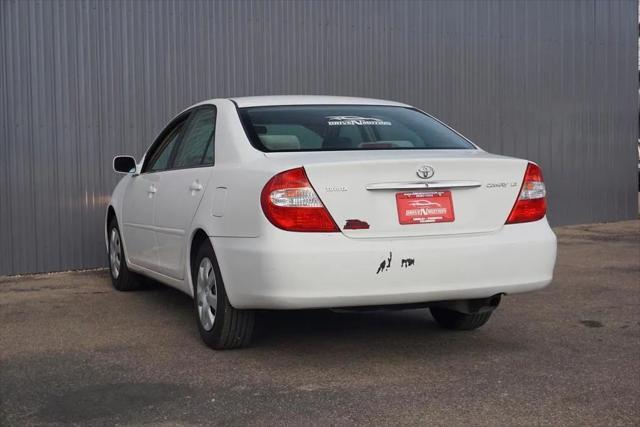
x: 289, y: 202
x: 531, y: 204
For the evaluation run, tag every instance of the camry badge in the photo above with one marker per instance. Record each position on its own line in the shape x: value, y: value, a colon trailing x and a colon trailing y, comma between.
x: 425, y: 172
x: 332, y: 188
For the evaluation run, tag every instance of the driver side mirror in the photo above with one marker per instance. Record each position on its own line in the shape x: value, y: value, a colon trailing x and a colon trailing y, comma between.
x: 124, y: 164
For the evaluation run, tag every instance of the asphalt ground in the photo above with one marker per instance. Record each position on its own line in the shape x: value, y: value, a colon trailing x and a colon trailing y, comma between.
x: 74, y: 351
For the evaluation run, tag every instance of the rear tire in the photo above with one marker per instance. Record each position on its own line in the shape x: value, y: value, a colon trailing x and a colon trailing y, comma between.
x: 122, y: 279
x: 220, y: 325
x: 457, y: 321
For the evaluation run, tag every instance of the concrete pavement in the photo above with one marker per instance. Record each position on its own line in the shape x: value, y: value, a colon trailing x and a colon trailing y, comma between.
x: 73, y: 350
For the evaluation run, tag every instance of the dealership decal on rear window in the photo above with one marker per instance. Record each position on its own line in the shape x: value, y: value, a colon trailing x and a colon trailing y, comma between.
x: 356, y: 121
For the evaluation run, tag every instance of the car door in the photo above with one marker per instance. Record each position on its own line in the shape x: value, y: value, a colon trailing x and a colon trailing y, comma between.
x: 140, y: 198
x: 181, y: 188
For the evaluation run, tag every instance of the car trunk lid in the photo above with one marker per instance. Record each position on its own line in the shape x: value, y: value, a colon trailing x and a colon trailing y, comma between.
x: 381, y: 195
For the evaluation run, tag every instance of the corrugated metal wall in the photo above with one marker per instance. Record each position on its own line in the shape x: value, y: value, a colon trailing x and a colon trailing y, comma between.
x: 553, y: 81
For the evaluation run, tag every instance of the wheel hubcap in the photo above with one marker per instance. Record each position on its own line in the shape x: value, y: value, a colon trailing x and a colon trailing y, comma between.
x: 115, y: 253
x: 206, y: 294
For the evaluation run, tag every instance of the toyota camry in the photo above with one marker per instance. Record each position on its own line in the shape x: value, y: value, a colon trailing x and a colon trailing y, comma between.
x: 300, y: 202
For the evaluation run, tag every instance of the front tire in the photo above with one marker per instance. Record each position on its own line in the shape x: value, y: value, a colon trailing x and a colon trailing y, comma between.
x: 457, y: 321
x: 121, y: 278
x: 220, y: 325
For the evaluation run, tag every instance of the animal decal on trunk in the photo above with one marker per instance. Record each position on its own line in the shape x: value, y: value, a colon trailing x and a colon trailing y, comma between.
x: 407, y: 262
x: 385, y: 264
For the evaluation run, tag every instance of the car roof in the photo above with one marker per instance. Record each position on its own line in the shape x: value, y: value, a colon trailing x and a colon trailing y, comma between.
x: 261, y: 101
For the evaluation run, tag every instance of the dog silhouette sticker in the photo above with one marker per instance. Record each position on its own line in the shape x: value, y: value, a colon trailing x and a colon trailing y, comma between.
x: 407, y: 262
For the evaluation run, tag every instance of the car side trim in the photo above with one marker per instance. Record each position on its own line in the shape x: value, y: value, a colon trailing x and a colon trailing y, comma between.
x: 154, y: 228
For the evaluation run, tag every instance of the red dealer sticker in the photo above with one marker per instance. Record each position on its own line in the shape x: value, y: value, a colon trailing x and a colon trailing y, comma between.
x: 424, y: 207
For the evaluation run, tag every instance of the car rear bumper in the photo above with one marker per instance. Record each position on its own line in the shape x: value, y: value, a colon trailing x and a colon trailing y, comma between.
x: 284, y: 270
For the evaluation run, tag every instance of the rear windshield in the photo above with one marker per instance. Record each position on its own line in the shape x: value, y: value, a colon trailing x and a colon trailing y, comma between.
x: 346, y: 127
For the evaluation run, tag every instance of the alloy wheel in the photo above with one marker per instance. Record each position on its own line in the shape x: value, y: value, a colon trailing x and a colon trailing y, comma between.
x: 115, y: 253
x: 206, y: 294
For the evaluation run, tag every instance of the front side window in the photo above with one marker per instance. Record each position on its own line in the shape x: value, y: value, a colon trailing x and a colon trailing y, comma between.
x: 196, y: 148
x: 346, y: 127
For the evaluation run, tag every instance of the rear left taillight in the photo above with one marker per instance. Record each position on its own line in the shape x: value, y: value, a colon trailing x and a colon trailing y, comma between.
x: 289, y: 202
x: 531, y: 204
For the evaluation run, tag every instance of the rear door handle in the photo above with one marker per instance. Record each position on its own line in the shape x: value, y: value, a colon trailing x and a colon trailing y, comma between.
x: 195, y: 186
x: 152, y: 189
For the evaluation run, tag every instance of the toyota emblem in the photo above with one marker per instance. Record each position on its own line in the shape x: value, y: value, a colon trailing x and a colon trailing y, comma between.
x: 425, y: 172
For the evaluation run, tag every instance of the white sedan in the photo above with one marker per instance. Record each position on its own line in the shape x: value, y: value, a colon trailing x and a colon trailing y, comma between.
x: 294, y: 202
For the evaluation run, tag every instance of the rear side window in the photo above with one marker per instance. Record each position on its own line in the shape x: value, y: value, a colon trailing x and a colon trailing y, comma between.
x: 346, y: 127
x: 196, y: 147
x: 161, y: 159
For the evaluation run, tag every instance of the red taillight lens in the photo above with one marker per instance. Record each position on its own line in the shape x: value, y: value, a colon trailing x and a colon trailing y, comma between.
x: 289, y: 202
x: 532, y: 203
